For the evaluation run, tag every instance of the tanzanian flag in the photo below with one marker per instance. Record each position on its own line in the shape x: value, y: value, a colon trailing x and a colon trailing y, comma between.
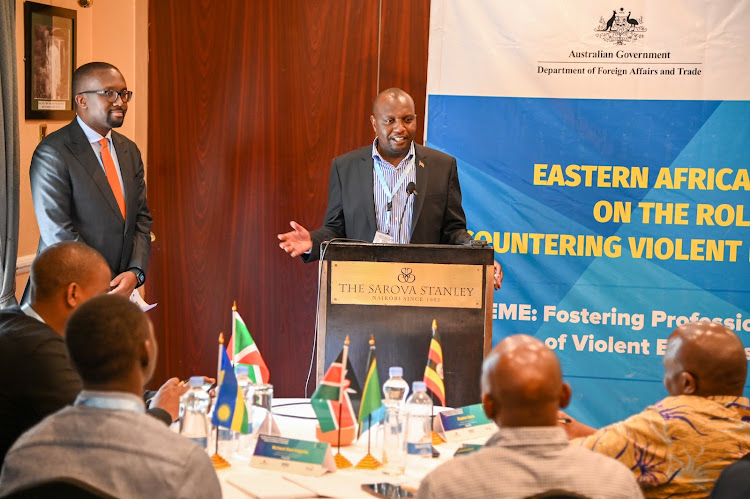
x: 433, y: 373
x: 372, y: 402
x: 230, y: 410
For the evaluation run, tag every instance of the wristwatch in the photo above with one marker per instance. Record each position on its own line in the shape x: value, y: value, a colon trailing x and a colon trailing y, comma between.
x: 138, y: 275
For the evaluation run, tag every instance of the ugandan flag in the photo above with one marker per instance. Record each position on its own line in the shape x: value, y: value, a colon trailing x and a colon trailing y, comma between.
x: 433, y: 373
x: 230, y: 411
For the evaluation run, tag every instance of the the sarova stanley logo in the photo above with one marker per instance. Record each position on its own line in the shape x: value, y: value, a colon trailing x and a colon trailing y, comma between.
x: 406, y: 276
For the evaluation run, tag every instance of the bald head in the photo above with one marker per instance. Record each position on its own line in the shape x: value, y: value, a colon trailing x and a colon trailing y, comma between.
x: 61, y: 264
x: 704, y: 359
x: 395, y: 124
x: 522, y: 383
x: 391, y: 94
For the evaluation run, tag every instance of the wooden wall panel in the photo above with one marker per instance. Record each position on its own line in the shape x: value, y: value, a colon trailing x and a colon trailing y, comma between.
x: 403, y: 49
x: 248, y: 104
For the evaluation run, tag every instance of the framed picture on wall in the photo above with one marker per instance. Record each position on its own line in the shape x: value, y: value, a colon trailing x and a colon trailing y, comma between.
x: 50, y: 43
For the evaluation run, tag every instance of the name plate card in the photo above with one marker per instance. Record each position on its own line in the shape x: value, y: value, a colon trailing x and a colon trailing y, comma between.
x: 302, y: 457
x: 464, y: 423
x: 406, y: 284
x: 467, y: 449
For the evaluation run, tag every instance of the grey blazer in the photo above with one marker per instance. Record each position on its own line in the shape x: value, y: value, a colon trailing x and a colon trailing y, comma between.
x: 73, y: 200
x: 438, y: 217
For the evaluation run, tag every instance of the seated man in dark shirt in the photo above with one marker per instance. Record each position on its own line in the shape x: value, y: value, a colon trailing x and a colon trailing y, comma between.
x: 38, y: 378
x: 105, y: 441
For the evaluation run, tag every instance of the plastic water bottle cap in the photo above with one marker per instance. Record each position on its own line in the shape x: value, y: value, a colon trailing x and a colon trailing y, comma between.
x: 419, y: 386
x: 395, y: 371
x: 241, y: 369
x: 196, y: 381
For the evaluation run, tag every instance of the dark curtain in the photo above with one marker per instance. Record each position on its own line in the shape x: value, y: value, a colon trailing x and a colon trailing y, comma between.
x: 9, y: 153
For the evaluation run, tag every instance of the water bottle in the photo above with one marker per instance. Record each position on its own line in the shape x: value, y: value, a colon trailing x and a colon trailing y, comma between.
x: 243, y: 378
x: 194, y: 406
x: 394, y: 448
x: 419, y: 421
x: 245, y: 444
x: 395, y: 388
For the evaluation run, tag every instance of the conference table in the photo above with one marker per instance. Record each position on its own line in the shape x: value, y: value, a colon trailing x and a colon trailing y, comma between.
x: 296, y: 419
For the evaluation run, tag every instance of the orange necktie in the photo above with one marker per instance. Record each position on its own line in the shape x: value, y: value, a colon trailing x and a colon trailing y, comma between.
x: 112, y: 178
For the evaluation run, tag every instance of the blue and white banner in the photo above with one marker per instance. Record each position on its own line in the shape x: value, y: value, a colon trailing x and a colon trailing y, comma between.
x: 603, y: 150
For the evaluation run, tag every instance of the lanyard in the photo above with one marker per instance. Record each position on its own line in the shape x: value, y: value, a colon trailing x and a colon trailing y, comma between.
x: 109, y: 402
x: 407, y: 169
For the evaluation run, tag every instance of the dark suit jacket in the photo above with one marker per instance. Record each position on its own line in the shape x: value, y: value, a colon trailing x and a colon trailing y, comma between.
x: 37, y: 376
x: 73, y: 200
x: 438, y: 217
x: 734, y: 481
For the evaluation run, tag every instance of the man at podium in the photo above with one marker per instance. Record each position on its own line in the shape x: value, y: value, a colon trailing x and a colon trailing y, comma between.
x: 393, y: 191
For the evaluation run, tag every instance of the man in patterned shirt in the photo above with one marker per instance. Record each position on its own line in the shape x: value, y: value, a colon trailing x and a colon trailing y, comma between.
x: 522, y: 389
x: 679, y: 446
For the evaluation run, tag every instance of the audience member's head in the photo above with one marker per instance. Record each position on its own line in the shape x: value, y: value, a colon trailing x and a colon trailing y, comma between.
x: 522, y: 383
x: 704, y: 359
x: 111, y: 344
x: 63, y: 276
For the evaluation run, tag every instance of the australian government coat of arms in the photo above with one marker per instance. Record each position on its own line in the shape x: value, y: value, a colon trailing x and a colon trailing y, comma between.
x: 620, y: 28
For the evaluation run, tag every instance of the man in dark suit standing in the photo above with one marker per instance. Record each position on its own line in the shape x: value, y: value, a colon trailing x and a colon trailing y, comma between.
x: 87, y: 181
x: 393, y: 191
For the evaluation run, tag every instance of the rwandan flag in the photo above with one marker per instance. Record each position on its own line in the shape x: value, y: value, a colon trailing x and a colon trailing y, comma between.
x: 242, y: 350
x: 433, y: 373
x: 372, y: 403
x: 325, y: 400
x: 230, y: 410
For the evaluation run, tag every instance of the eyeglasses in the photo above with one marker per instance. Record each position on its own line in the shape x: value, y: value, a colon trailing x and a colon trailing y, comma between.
x: 111, y: 95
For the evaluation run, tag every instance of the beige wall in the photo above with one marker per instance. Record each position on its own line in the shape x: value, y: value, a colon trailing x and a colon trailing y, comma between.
x: 114, y: 31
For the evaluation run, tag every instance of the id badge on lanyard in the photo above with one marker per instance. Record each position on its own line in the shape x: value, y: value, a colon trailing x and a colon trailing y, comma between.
x: 390, y: 193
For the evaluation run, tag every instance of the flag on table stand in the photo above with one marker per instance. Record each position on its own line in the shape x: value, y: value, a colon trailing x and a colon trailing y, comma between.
x: 433, y: 373
x: 433, y: 378
x: 243, y: 351
x: 325, y: 400
x: 230, y: 410
x: 332, y: 404
x: 371, y: 409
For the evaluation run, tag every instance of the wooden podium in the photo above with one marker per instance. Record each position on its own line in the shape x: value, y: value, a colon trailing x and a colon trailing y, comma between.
x: 394, y: 292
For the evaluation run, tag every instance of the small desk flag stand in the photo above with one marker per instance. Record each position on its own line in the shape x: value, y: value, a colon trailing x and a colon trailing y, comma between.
x: 341, y: 461
x: 369, y: 462
x: 219, y: 462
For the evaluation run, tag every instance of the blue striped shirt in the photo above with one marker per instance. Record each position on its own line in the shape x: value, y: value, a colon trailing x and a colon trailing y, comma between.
x: 391, y: 175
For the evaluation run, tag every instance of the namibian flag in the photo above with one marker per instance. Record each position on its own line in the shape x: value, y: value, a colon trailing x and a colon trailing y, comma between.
x: 433, y: 373
x: 242, y: 350
x: 372, y: 402
x: 230, y: 410
x: 325, y: 400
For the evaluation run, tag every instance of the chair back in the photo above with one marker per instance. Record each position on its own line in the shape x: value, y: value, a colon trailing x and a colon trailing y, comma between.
x: 68, y: 488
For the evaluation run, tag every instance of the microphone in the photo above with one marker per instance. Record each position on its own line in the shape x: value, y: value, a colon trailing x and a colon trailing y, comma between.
x: 411, y: 188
